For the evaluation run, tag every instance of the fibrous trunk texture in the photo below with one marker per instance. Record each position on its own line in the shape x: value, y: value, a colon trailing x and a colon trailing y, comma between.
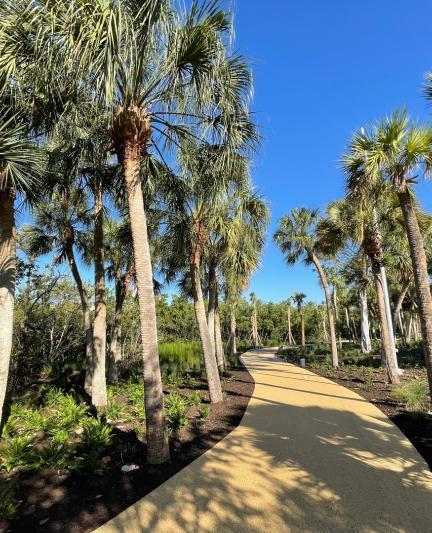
x: 115, y: 354
x: 421, y: 276
x: 98, y: 386
x: 157, y: 439
x: 397, y: 319
x: 329, y: 304
x: 7, y: 289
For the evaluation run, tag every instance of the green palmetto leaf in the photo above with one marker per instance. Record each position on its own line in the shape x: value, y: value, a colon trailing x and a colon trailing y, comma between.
x: 21, y: 163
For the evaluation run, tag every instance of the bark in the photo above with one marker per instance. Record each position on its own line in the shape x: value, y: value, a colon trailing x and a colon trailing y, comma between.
x: 233, y: 332
x: 329, y: 304
x: 302, y: 327
x: 85, y: 305
x: 290, y: 335
x: 335, y: 307
x: 115, y: 352
x: 7, y: 289
x: 220, y: 356
x: 98, y: 384
x: 365, y: 341
x: 397, y: 322
x: 157, y: 439
x: 213, y: 380
x: 212, y: 304
x: 421, y: 276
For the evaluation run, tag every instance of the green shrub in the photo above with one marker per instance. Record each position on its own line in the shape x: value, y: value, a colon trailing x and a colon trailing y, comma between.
x: 70, y: 413
x: 54, y: 455
x: 194, y: 398
x: 176, y: 410
x: 414, y: 394
x: 204, y: 411
x: 53, y: 396
x: 114, y: 410
x: 17, y: 452
x: 96, y: 435
x: 89, y: 463
x: 8, y: 504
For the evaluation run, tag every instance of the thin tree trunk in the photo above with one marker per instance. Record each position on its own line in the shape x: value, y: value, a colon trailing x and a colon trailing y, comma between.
x: 233, y: 332
x: 116, y: 341
x: 365, y: 342
x: 421, y: 276
x: 385, y: 337
x: 337, y: 326
x: 290, y: 335
x: 220, y: 356
x: 398, y: 306
x: 212, y: 303
x: 98, y: 387
x: 85, y: 305
x: 157, y: 439
x: 330, y: 316
x: 213, y: 380
x: 302, y: 326
x: 7, y: 289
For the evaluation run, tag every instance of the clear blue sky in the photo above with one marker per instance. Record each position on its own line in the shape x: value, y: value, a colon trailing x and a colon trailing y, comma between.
x: 322, y: 69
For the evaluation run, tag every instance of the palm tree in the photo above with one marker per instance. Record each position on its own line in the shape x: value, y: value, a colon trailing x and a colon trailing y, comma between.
x: 254, y: 321
x: 353, y: 219
x: 155, y: 72
x: 290, y: 337
x: 394, y: 150
x: 298, y: 298
x: 20, y: 169
x: 298, y: 239
x: 60, y: 224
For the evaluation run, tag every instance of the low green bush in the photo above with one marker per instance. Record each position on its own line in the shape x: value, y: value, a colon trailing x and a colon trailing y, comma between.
x: 176, y: 409
x: 413, y: 394
x: 17, y: 452
x: 204, y: 411
x: 194, y: 398
x: 8, y: 504
x: 96, y: 435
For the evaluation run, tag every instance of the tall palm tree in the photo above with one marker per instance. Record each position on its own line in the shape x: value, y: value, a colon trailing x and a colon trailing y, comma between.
x: 298, y: 298
x: 20, y: 169
x: 353, y: 219
x: 155, y: 71
x: 298, y: 240
x: 395, y: 150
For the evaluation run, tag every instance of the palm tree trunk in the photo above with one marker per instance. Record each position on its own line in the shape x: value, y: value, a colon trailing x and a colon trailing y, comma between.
x: 211, y: 303
x: 330, y: 316
x: 364, y: 321
x: 157, y: 440
x: 396, y: 313
x: 98, y: 386
x: 220, y: 356
x: 421, y: 276
x: 213, y: 380
x: 233, y: 332
x: 7, y: 288
x: 116, y: 341
x: 385, y: 336
x: 85, y: 305
x: 302, y: 326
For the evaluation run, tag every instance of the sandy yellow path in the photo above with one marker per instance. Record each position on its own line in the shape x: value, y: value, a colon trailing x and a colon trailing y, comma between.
x: 309, y: 455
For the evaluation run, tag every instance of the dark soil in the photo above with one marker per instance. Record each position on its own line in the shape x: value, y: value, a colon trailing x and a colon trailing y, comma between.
x: 417, y: 426
x: 55, y: 501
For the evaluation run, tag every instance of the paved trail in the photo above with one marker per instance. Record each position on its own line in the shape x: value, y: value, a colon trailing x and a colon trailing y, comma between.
x: 308, y: 456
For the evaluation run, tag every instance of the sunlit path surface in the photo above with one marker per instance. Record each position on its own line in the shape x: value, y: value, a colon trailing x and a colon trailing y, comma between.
x: 309, y: 455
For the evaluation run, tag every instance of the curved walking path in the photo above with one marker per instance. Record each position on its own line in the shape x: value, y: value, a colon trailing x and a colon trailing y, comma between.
x: 309, y: 455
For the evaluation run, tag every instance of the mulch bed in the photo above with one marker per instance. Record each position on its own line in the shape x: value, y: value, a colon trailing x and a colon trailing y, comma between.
x: 55, y: 501
x: 417, y: 427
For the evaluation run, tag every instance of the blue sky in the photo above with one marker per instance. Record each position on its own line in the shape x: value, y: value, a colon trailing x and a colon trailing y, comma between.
x: 322, y: 69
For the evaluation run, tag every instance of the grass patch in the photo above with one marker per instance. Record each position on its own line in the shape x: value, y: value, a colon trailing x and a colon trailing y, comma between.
x: 413, y: 394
